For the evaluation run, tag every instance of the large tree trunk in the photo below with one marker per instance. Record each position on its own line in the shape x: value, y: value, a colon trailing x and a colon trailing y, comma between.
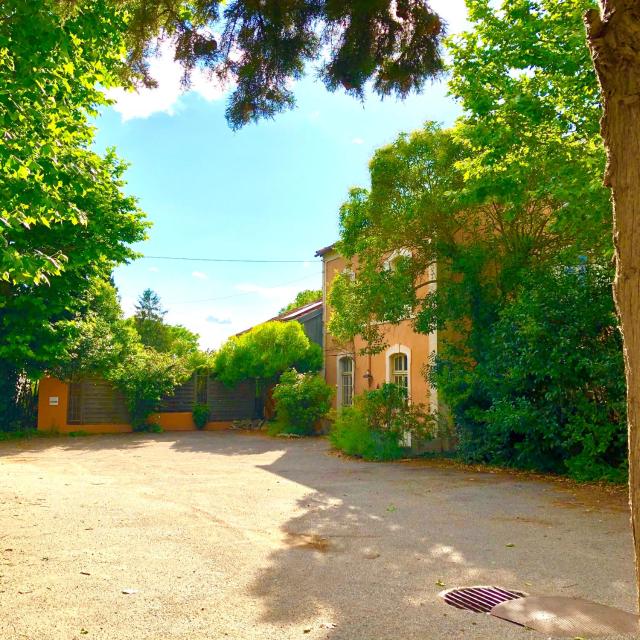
x: 614, y: 40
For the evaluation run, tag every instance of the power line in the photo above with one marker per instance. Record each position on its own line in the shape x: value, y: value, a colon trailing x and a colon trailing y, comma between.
x: 228, y: 260
x: 247, y: 293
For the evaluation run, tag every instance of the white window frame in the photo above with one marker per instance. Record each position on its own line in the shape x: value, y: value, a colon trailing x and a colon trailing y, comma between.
x: 401, y: 373
x: 392, y: 351
x: 339, y: 395
x: 389, y: 263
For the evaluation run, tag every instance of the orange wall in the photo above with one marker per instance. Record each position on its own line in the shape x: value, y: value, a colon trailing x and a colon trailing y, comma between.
x: 419, y: 345
x: 54, y: 418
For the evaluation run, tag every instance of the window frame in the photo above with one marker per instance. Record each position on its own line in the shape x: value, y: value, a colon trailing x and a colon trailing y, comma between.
x: 390, y: 354
x: 342, y: 376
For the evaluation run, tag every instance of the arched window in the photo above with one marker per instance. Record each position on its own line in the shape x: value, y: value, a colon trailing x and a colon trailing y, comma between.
x: 399, y: 367
x: 345, y: 381
x: 400, y: 371
x: 394, y: 258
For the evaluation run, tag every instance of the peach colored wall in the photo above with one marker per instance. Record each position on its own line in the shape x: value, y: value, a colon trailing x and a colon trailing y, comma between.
x: 51, y: 417
x: 402, y: 334
x: 54, y: 418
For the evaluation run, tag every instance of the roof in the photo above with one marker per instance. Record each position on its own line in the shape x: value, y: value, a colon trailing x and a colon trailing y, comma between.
x: 293, y: 314
x: 321, y: 252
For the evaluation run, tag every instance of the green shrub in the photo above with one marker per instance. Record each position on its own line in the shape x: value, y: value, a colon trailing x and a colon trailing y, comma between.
x: 301, y: 399
x: 352, y: 434
x: 25, y: 434
x: 146, y: 376
x: 150, y: 427
x: 265, y: 352
x: 200, y: 415
x: 375, y: 426
x: 547, y: 391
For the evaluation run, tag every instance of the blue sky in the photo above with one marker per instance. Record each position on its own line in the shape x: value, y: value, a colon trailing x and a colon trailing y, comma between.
x: 269, y: 191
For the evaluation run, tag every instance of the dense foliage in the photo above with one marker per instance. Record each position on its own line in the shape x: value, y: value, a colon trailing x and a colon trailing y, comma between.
x: 65, y: 221
x: 512, y: 190
x: 377, y: 426
x: 155, y: 333
x: 265, y: 352
x: 261, y: 47
x: 547, y: 391
x: 146, y: 377
x: 301, y: 399
x: 200, y: 415
x: 103, y: 343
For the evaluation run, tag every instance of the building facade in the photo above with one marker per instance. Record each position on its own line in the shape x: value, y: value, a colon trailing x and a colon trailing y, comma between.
x: 403, y: 362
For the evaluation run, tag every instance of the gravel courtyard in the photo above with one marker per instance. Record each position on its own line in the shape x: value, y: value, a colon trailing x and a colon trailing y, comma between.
x: 230, y: 535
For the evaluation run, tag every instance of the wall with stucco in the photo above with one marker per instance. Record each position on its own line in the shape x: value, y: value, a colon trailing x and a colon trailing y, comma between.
x: 399, y: 337
x: 53, y: 397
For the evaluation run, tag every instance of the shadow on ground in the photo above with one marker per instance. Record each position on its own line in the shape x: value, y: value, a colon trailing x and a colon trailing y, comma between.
x: 365, y: 551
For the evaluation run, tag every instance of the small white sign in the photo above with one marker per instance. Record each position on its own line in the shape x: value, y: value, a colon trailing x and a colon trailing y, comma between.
x: 54, y: 401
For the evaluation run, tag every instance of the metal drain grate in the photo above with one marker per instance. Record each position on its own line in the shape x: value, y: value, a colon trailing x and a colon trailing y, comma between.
x: 479, y: 599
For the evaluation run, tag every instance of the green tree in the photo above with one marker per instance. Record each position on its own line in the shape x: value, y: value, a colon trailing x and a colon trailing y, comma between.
x: 548, y: 391
x: 52, y: 186
x: 148, y: 321
x: 98, y: 336
x: 262, y: 46
x: 102, y: 343
x: 65, y: 221
x: 303, y: 298
x: 419, y: 223
x: 265, y: 352
x: 513, y: 188
x: 149, y: 306
x: 531, y: 105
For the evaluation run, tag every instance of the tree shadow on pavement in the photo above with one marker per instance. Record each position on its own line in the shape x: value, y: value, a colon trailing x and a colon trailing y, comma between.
x: 376, y: 543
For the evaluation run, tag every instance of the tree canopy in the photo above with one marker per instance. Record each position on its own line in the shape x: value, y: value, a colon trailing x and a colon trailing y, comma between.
x: 154, y: 332
x: 265, y: 352
x: 497, y: 230
x: 514, y: 183
x: 304, y: 297
x: 55, y: 191
x: 263, y: 47
x: 65, y: 221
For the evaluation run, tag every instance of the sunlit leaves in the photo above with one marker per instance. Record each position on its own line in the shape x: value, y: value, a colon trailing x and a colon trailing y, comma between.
x: 50, y: 68
x: 65, y: 220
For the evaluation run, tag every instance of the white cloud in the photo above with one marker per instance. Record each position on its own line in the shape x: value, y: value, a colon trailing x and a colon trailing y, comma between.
x: 199, y: 275
x: 165, y: 98
x: 454, y: 13
x: 314, y: 115
x: 154, y: 269
x: 357, y: 141
x: 216, y: 320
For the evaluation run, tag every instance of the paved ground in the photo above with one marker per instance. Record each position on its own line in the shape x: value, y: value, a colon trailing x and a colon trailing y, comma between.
x: 240, y: 536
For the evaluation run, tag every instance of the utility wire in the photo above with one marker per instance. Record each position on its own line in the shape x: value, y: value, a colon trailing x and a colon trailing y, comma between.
x: 247, y: 293
x: 228, y: 260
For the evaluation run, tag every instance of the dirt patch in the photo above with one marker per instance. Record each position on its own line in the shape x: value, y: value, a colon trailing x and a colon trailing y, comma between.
x: 310, y: 541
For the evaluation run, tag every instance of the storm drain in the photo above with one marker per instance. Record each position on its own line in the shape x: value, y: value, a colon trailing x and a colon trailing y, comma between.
x: 479, y: 599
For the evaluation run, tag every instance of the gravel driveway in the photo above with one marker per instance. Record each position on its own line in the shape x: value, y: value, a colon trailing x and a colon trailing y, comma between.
x: 216, y: 535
